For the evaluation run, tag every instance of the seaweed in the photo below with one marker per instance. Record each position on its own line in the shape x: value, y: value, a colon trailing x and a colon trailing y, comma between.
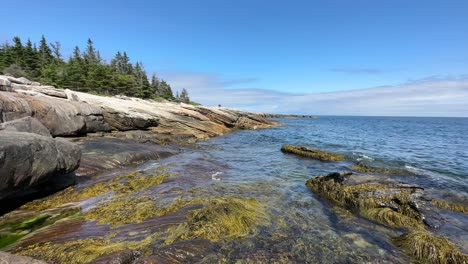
x: 82, y: 251
x: 126, y: 210
x: 382, y: 203
x: 124, y: 184
x: 222, y: 218
x: 30, y: 223
x: 366, y: 168
x: 456, y: 207
x: 430, y: 248
x: 312, y: 153
x: 8, y: 239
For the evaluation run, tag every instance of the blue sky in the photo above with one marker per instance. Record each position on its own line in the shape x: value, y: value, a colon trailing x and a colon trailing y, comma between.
x: 273, y: 50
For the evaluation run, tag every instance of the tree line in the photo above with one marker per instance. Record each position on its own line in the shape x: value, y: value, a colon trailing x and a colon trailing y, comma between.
x: 83, y: 71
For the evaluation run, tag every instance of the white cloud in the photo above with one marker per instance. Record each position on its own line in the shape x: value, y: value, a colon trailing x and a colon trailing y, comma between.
x: 432, y: 96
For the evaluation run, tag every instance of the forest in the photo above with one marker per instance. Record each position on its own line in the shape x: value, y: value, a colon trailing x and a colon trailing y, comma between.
x: 84, y: 71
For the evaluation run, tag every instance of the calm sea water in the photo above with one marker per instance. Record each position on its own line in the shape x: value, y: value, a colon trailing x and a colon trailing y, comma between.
x: 305, y: 228
x: 434, y: 149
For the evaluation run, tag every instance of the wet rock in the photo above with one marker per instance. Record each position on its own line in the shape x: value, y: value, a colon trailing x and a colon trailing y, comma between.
x: 121, y: 257
x: 7, y: 258
x: 25, y: 124
x: 378, y: 198
x: 189, y: 251
x: 32, y: 164
x: 312, y: 153
x: 106, y: 153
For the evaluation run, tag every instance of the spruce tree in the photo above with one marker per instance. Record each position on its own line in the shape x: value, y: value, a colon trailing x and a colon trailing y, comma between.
x: 184, y: 97
x: 45, y: 54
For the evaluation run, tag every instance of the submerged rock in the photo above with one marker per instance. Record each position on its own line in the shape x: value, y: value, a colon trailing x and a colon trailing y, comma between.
x: 366, y: 168
x: 312, y: 153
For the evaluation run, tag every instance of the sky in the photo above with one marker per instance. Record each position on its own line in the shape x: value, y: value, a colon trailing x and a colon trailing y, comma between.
x: 360, y: 57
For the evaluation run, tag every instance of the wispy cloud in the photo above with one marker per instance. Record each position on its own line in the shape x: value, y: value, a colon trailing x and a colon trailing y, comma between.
x: 432, y: 96
x: 359, y: 70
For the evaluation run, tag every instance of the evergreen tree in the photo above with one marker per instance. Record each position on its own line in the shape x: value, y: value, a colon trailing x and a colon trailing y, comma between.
x: 166, y: 91
x: 45, y: 54
x: 184, y: 97
x: 155, y: 85
x: 18, y: 52
x: 31, y: 60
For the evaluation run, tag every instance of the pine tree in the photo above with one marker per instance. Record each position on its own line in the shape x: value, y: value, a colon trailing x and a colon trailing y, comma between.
x: 155, y: 85
x: 18, y: 52
x: 184, y: 97
x: 45, y: 54
x: 31, y: 60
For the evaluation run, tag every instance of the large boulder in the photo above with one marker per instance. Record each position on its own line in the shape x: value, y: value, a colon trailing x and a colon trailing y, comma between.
x: 25, y: 124
x: 32, y: 164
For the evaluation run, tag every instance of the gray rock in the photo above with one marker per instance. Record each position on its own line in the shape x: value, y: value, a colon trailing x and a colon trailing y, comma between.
x: 7, y: 258
x: 25, y: 124
x: 31, y: 164
x: 5, y: 84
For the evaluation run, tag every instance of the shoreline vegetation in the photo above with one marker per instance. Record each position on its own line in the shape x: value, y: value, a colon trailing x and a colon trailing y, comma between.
x: 84, y: 71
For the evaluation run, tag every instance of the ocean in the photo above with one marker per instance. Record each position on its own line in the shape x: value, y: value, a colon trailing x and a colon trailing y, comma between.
x: 306, y: 228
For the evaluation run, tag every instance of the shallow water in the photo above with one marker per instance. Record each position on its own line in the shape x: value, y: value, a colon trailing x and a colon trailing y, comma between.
x: 302, y: 228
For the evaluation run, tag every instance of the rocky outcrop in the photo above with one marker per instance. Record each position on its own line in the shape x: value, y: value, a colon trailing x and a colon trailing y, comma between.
x: 25, y: 124
x: 312, y: 153
x: 31, y: 164
x: 70, y: 113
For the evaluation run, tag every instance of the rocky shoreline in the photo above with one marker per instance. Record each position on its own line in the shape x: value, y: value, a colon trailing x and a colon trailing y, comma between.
x: 48, y: 136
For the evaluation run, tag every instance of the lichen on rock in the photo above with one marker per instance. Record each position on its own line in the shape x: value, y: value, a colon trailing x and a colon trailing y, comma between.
x: 312, y: 153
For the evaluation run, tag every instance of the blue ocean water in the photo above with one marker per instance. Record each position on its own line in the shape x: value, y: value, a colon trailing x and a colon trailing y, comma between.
x: 434, y: 149
x: 304, y: 227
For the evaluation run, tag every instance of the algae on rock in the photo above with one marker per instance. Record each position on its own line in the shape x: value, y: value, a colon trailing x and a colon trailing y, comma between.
x: 366, y: 168
x: 389, y: 204
x: 123, y: 184
x: 222, y: 218
x: 457, y: 207
x: 429, y: 248
x: 312, y: 153
x: 82, y: 251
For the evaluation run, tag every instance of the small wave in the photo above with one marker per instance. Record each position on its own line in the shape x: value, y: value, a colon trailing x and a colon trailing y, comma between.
x: 436, y: 176
x: 362, y: 157
x: 216, y: 176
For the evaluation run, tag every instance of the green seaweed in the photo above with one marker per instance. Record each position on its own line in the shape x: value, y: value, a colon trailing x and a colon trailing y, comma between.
x: 30, y: 223
x: 8, y: 239
x: 312, y: 153
x: 429, y: 248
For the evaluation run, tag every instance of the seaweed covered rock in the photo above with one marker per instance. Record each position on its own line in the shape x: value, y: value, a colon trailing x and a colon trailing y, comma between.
x: 222, y: 218
x: 383, y: 200
x: 366, y: 168
x: 396, y: 205
x: 430, y: 248
x: 312, y: 153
